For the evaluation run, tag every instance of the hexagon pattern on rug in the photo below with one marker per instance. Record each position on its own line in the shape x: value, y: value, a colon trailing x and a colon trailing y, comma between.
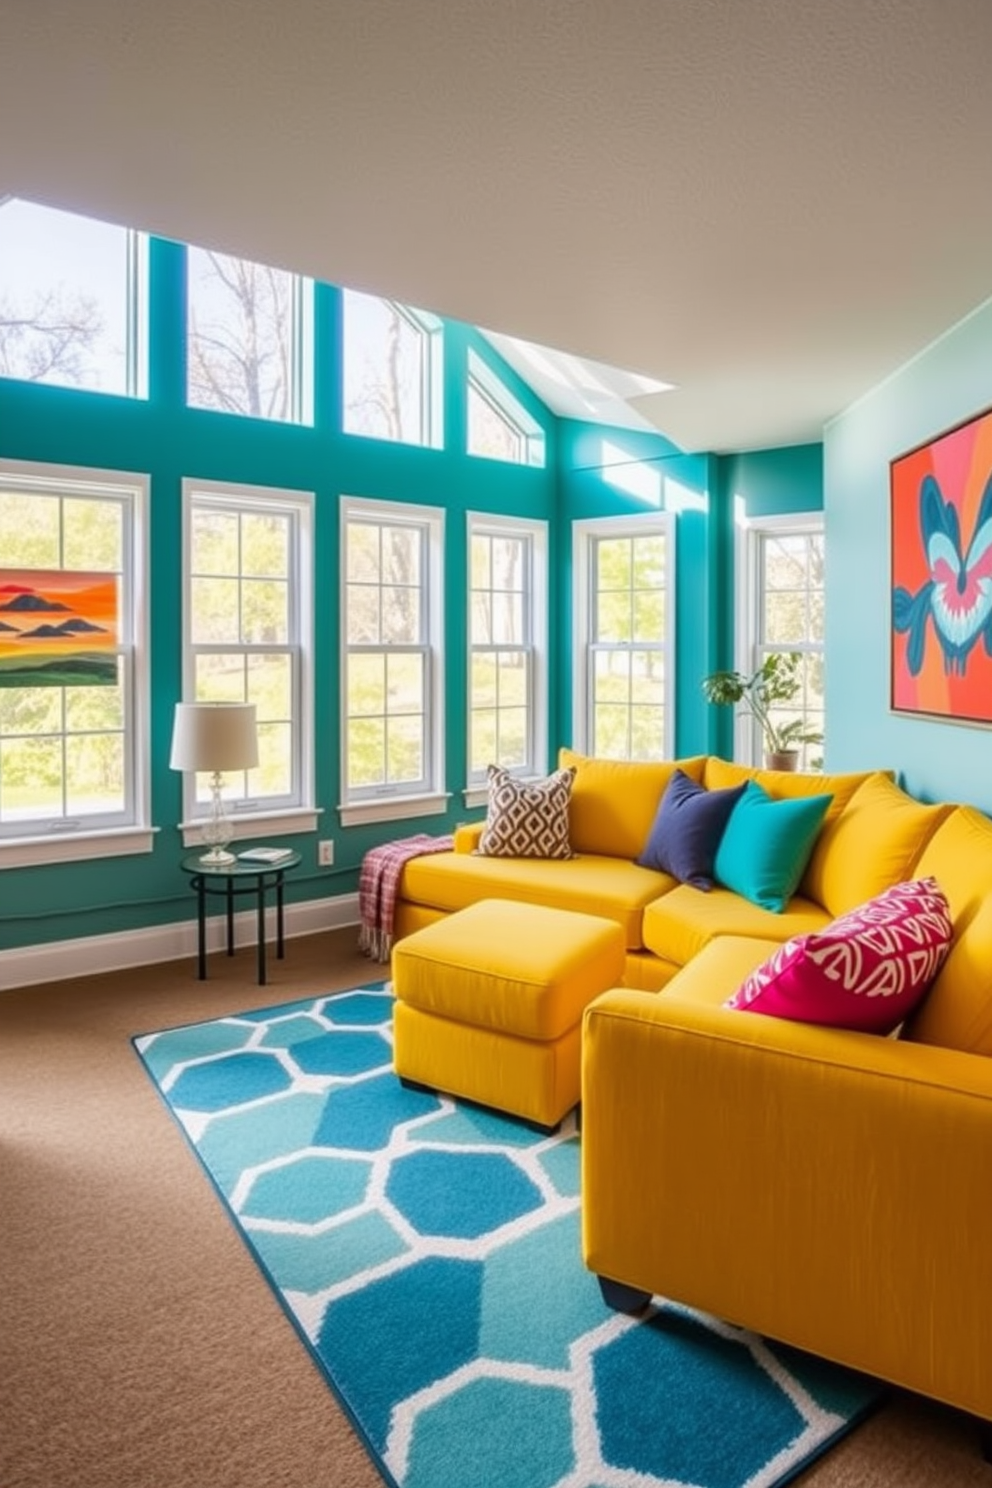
x: 429, y: 1253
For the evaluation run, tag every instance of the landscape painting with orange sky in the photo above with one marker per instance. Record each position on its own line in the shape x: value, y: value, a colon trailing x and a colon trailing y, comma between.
x: 58, y: 628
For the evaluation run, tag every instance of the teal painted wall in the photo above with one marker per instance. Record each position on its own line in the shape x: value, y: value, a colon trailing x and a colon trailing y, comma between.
x: 168, y: 441
x: 945, y: 384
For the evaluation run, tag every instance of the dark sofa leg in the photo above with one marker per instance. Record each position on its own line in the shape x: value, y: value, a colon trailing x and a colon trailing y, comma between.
x: 622, y: 1298
x: 985, y: 1437
x: 416, y: 1085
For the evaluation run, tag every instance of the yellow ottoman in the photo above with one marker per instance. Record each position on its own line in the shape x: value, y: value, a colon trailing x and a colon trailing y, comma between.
x: 490, y: 1001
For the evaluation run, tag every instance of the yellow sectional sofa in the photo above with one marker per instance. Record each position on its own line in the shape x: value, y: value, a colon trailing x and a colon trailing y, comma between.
x: 828, y: 1188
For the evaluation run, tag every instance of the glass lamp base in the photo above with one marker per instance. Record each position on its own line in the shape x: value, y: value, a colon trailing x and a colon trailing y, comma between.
x: 217, y: 857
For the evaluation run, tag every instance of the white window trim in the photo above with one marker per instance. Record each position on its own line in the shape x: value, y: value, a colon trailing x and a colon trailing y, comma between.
x: 65, y: 843
x: 476, y: 792
x: 507, y: 406
x: 748, y: 535
x: 397, y: 806
x: 583, y: 535
x: 296, y: 816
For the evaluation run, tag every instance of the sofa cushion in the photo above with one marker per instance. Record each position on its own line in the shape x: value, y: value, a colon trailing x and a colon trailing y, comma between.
x: 612, y: 887
x: 527, y: 818
x: 767, y: 844
x: 718, y: 970
x: 687, y: 830
x: 678, y: 925
x: 614, y: 801
x: 867, y: 970
x: 957, y: 1012
x: 875, y: 842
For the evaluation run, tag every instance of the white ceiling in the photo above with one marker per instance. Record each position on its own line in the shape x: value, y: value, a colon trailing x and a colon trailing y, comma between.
x: 770, y: 203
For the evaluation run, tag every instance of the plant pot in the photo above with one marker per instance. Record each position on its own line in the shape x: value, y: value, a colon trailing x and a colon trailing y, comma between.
x: 781, y: 759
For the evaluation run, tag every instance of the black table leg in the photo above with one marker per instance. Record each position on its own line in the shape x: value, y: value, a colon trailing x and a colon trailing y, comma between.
x: 230, y: 916
x: 279, y: 934
x: 261, y: 929
x: 201, y: 928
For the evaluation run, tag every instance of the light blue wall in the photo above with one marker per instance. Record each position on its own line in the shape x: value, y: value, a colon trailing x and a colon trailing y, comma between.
x: 948, y: 382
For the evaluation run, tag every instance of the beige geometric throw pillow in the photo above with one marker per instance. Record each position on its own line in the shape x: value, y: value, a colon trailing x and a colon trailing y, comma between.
x: 527, y: 819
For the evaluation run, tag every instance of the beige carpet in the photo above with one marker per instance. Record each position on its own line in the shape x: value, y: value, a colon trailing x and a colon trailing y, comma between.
x: 139, y: 1345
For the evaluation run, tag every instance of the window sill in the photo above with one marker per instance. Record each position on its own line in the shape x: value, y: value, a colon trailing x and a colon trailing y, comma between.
x: 257, y: 823
x: 393, y: 808
x: 76, y: 847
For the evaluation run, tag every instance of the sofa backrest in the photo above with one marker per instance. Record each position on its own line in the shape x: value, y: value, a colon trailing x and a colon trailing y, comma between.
x: 957, y: 1011
x: 786, y: 785
x: 614, y: 802
x: 875, y: 842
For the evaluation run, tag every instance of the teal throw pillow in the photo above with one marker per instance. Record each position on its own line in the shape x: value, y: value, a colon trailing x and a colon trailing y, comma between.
x: 766, y: 845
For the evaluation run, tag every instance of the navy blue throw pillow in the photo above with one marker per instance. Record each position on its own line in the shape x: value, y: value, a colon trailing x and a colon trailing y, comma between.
x: 687, y: 830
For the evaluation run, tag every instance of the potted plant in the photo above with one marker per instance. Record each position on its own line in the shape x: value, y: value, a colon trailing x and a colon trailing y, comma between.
x: 760, y: 696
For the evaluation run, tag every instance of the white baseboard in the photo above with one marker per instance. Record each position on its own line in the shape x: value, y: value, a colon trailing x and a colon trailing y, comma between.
x: 26, y: 966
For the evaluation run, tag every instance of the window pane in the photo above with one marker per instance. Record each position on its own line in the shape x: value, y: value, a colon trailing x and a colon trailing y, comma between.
x: 613, y: 563
x: 220, y: 678
x: 405, y: 684
x: 93, y: 535
x: 610, y: 737
x: 785, y: 617
x: 33, y: 710
x: 490, y: 432
x: 484, y: 681
x: 265, y: 545
x: 30, y: 779
x: 508, y: 619
x: 66, y: 299
x: 366, y: 685
x: 30, y: 530
x: 647, y: 682
x: 482, y: 619
x: 649, y: 563
x: 513, y: 673
x: 94, y: 771
x: 405, y: 748
x: 647, y: 733
x: 386, y: 370
x: 613, y: 617
x: 363, y: 615
x: 612, y: 676
x: 400, y: 616
x: 214, y: 611
x: 214, y: 542
x: 649, y: 616
x: 400, y: 555
x: 366, y: 752
x: 483, y: 745
x: 363, y: 553
x: 481, y: 561
x: 273, y: 775
x: 512, y: 737
x: 264, y: 612
x: 241, y: 336
x: 93, y: 708
x: 270, y: 687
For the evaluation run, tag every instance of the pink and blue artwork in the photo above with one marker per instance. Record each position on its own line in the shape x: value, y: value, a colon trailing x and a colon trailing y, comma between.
x: 941, y: 496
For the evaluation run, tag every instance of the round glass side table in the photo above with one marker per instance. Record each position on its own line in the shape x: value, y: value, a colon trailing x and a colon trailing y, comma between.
x: 230, y: 880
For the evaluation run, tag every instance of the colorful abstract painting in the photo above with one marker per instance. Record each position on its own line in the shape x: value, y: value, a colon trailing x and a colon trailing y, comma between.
x: 942, y: 575
x: 57, y: 628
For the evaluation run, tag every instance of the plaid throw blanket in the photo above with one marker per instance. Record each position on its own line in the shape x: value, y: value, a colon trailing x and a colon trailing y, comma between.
x: 378, y: 884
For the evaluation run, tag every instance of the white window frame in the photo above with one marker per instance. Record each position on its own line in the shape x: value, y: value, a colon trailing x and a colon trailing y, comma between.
x: 585, y: 535
x: 72, y: 840
x: 749, y: 535
x: 534, y: 533
x: 430, y: 330
x: 301, y: 351
x: 136, y: 309
x: 298, y: 811
x: 484, y: 382
x: 396, y: 803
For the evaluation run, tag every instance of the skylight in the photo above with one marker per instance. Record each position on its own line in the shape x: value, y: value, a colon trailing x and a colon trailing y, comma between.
x: 577, y: 387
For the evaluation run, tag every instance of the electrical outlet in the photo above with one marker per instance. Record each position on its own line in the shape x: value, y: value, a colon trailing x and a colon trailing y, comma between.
x: 325, y: 853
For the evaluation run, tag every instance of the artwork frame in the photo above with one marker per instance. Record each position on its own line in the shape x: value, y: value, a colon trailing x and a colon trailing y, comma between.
x: 940, y: 526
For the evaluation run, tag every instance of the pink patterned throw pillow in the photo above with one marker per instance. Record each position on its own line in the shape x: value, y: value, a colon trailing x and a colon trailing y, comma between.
x: 865, y: 971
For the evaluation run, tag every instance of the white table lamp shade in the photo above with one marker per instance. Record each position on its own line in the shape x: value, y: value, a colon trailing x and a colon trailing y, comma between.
x: 214, y: 736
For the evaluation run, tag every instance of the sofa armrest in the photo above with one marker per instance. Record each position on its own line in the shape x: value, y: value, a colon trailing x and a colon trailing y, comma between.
x: 826, y: 1188
x: 467, y: 836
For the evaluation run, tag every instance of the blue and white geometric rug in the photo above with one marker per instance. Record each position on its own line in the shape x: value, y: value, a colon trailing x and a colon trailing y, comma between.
x: 428, y: 1253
